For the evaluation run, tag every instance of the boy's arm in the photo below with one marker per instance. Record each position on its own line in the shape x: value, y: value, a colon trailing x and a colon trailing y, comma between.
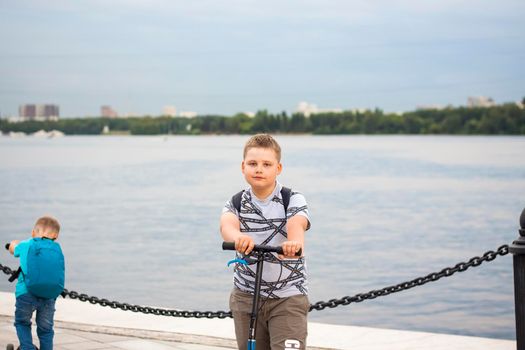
x: 231, y: 232
x: 12, y: 246
x: 296, y: 227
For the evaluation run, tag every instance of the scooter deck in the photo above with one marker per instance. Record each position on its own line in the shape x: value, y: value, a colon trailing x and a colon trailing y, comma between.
x: 12, y: 347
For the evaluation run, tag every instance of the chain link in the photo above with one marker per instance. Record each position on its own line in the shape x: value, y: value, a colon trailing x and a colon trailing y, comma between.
x: 446, y: 272
x: 320, y: 305
x: 145, y: 309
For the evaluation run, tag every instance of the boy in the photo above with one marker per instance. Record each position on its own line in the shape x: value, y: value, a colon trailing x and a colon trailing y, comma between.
x: 31, y: 252
x: 282, y: 319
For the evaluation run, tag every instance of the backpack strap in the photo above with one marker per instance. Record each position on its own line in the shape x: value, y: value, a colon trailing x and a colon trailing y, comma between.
x: 236, y: 200
x: 286, y: 193
x: 14, y: 274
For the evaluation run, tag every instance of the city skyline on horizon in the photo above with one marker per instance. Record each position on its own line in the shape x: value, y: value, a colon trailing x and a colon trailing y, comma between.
x: 303, y: 107
x: 237, y: 57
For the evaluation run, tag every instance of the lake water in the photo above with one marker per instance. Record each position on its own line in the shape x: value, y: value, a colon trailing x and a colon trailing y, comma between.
x: 140, y: 219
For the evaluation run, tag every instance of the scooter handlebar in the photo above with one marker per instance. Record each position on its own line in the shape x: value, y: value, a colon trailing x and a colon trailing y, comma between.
x: 260, y: 248
x: 7, y: 246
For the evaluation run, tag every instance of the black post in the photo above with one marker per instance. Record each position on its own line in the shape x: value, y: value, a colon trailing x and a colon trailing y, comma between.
x: 518, y: 250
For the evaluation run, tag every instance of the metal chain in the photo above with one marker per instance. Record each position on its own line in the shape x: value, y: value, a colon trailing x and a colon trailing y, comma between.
x: 320, y: 305
x: 145, y: 309
x: 432, y: 277
x: 134, y: 308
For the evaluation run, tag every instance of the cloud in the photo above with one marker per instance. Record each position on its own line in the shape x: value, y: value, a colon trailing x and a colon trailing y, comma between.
x: 261, y: 48
x: 218, y: 10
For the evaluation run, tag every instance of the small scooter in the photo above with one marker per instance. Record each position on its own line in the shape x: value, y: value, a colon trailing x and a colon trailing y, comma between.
x: 13, y: 277
x: 12, y: 347
x: 259, y: 252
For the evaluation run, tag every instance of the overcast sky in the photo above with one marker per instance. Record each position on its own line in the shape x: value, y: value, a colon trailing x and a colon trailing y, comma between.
x: 228, y: 56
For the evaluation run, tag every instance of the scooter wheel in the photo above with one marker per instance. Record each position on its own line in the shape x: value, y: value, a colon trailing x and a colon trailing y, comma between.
x: 10, y: 347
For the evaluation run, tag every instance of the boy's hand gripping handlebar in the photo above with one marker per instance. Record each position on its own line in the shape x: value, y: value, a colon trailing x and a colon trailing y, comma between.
x: 257, y: 248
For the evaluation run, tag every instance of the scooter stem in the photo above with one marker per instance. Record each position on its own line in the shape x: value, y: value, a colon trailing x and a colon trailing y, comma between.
x: 255, y: 305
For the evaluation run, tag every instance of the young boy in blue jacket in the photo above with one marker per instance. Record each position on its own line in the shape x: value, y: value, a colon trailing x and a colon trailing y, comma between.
x: 46, y: 228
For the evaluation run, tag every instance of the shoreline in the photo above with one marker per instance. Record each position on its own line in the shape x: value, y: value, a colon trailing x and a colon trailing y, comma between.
x: 19, y: 135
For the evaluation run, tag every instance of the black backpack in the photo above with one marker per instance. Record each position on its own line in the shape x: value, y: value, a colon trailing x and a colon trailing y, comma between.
x: 286, y: 193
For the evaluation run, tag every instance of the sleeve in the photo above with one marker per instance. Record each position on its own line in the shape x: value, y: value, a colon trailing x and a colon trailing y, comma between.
x: 228, y: 207
x: 298, y: 206
x: 21, y: 249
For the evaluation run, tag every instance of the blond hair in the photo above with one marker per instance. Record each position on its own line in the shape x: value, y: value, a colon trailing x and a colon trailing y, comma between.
x: 48, y: 224
x: 263, y: 141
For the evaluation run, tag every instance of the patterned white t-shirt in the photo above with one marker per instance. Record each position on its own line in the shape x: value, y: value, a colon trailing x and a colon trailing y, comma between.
x: 265, y: 221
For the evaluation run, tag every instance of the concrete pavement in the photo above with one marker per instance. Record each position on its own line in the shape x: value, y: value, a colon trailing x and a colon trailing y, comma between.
x: 82, y: 325
x: 87, y: 339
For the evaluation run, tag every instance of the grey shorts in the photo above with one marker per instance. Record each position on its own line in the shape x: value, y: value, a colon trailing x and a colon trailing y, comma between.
x: 281, y: 323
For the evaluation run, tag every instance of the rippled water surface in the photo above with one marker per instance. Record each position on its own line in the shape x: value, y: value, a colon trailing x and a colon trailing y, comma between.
x: 140, y: 220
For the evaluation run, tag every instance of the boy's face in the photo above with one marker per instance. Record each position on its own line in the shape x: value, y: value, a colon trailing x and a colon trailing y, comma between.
x: 260, y: 168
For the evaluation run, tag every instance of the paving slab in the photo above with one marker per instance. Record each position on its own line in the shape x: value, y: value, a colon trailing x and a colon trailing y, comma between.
x: 66, y: 339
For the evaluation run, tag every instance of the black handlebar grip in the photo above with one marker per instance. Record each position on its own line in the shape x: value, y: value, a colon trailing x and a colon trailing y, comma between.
x: 7, y: 246
x: 228, y: 245
x: 259, y: 248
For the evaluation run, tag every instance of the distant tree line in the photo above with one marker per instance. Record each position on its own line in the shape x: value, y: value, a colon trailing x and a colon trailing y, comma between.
x: 507, y: 119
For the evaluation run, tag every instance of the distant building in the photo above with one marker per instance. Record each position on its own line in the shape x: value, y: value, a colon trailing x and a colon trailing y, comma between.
x: 108, y: 112
x: 27, y: 111
x: 307, y: 109
x: 169, y: 111
x: 480, y: 101
x: 188, y: 114
x: 38, y: 112
x: 429, y: 107
x: 359, y: 110
x: 13, y: 119
x: 130, y: 115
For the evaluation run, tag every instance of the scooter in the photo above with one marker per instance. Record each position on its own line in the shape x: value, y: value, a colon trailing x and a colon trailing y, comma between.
x: 259, y: 252
x: 13, y: 277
